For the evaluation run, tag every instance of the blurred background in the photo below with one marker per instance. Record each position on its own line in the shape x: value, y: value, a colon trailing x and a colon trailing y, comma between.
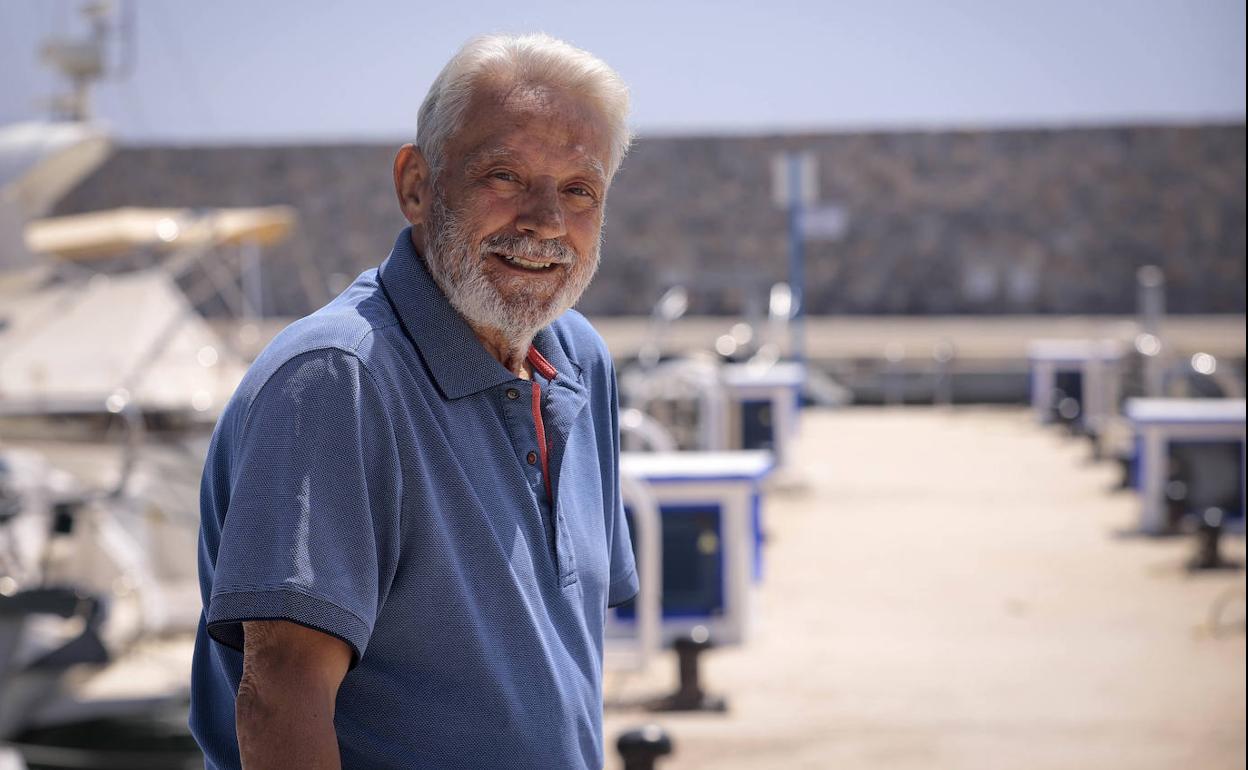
x: 929, y: 320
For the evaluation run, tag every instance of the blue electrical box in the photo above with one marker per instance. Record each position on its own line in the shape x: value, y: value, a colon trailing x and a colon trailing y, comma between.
x: 710, y: 537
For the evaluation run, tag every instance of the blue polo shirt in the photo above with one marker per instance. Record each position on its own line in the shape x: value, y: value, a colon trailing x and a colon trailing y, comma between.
x: 378, y: 476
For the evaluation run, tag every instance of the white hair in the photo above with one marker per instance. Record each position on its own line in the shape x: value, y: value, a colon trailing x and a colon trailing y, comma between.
x: 506, y: 60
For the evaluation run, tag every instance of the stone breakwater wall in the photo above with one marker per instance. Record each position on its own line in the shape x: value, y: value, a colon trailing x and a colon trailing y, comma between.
x: 941, y: 222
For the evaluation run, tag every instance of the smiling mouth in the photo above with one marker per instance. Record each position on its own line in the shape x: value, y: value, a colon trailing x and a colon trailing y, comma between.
x: 536, y: 266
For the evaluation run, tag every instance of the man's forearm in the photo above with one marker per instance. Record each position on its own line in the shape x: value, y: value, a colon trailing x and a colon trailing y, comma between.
x: 284, y: 712
x: 285, y: 729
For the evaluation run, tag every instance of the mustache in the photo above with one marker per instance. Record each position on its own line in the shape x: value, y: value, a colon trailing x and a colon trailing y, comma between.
x: 527, y: 247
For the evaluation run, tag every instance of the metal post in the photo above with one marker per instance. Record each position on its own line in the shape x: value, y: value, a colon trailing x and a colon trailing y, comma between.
x: 797, y: 260
x: 1151, y: 306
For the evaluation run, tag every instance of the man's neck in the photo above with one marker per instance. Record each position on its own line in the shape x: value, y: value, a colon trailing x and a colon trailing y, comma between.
x: 510, y: 352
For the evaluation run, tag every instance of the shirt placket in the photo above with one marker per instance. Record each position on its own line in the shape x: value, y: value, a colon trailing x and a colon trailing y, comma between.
x: 543, y: 447
x: 523, y: 402
x: 528, y: 424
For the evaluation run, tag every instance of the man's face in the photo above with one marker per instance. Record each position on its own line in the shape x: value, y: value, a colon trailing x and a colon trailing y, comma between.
x: 515, y: 223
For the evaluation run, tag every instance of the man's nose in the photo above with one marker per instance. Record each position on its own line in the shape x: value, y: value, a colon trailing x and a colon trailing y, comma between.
x: 540, y: 214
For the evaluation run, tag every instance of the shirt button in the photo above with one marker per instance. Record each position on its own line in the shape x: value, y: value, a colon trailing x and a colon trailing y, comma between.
x: 532, y: 458
x: 513, y: 394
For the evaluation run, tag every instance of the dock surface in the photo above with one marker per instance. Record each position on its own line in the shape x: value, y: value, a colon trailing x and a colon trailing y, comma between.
x: 957, y: 590
x: 976, y: 340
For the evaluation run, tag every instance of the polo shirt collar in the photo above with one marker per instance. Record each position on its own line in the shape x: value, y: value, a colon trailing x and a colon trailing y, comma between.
x: 547, y: 343
x: 459, y: 363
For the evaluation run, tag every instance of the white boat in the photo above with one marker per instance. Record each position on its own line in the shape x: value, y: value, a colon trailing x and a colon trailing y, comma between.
x: 110, y: 383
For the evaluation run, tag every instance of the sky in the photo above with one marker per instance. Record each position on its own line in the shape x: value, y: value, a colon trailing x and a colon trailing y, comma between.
x: 313, y: 70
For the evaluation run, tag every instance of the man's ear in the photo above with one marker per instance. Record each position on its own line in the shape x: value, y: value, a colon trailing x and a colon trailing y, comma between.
x: 412, y: 183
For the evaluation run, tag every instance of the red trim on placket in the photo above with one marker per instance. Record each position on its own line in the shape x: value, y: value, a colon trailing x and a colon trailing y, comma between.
x: 541, y: 437
x: 542, y: 367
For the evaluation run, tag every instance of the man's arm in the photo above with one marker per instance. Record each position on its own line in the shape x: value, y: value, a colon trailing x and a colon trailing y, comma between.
x: 284, y: 713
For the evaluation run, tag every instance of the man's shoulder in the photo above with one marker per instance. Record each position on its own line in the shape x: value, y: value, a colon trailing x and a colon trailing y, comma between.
x: 346, y: 323
x: 345, y: 330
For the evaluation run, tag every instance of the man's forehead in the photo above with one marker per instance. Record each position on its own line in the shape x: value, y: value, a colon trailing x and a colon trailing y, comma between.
x: 517, y: 122
x: 576, y: 156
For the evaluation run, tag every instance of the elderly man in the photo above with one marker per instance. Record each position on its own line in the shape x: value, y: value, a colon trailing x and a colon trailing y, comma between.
x: 412, y: 526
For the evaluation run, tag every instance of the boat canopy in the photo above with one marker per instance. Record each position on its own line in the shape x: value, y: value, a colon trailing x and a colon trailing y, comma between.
x: 103, y: 234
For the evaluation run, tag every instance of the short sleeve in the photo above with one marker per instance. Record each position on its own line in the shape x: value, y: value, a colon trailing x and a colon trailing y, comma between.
x: 311, y: 529
x: 624, y: 583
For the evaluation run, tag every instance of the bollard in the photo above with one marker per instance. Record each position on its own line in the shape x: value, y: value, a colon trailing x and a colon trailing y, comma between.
x: 1208, y: 554
x: 642, y: 746
x: 689, y: 695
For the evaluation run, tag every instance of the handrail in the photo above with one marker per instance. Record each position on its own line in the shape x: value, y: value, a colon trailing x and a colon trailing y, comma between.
x: 647, y: 541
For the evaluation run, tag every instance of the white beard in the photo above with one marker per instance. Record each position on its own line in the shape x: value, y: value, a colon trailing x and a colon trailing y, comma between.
x: 456, y: 265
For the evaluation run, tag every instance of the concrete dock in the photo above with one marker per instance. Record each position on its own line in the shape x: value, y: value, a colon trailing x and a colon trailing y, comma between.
x: 957, y: 590
x: 975, y: 340
x: 889, y: 359
x: 978, y: 341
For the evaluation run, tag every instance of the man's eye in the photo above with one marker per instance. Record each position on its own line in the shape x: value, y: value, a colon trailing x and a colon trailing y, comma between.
x: 505, y: 176
x: 581, y: 191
